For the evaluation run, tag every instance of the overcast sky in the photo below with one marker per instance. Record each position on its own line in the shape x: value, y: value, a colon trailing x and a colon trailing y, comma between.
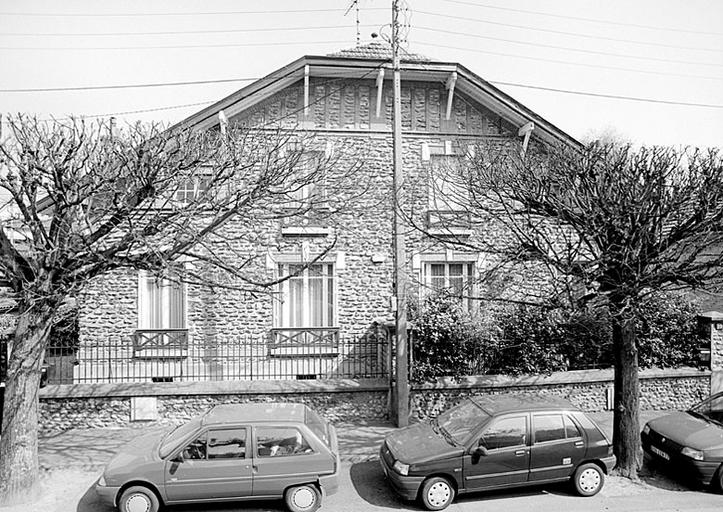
x: 661, y: 50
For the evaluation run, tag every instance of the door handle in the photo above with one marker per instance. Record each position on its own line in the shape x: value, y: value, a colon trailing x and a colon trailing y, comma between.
x: 579, y: 444
x: 520, y: 452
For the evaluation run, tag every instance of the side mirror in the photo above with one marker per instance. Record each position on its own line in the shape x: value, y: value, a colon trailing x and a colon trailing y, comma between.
x: 480, y: 451
x: 178, y: 458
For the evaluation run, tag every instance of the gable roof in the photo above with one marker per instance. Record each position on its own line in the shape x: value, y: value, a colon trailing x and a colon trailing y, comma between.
x: 365, y: 62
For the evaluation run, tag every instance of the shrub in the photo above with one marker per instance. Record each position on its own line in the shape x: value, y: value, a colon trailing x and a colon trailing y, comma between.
x: 535, y: 340
x: 446, y: 342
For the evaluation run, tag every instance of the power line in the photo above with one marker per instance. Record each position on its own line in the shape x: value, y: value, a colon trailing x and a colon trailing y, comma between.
x: 610, y: 96
x: 271, y: 77
x: 565, y: 48
x: 130, y: 86
x: 174, y: 13
x: 171, y: 47
x: 580, y: 18
x: 556, y: 61
x: 176, y: 32
x: 576, y: 34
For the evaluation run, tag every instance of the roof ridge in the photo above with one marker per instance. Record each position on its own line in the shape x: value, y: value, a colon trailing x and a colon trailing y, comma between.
x: 377, y: 50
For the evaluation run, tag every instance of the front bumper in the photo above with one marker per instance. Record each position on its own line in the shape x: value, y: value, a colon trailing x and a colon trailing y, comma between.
x: 698, y: 471
x: 405, y: 486
x: 107, y: 494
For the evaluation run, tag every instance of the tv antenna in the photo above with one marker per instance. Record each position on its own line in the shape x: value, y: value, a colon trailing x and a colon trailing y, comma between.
x: 355, y: 5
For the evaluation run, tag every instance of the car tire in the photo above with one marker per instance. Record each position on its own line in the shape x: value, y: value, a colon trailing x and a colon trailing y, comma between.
x: 138, y: 499
x: 302, y: 498
x: 588, y: 479
x: 718, y: 479
x: 436, y: 493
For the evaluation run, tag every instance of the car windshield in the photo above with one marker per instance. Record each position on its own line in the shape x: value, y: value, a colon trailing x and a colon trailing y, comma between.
x: 173, y: 439
x: 711, y: 408
x: 459, y: 421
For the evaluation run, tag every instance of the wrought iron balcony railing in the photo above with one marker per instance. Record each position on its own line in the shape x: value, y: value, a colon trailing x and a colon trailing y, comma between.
x: 160, y: 343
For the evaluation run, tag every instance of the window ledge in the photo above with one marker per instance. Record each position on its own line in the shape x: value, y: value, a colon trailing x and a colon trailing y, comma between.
x: 450, y: 232
x: 305, y: 231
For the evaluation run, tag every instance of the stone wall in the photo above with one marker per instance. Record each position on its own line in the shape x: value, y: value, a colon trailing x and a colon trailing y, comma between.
x: 357, y: 401
x: 590, y: 390
x: 83, y: 406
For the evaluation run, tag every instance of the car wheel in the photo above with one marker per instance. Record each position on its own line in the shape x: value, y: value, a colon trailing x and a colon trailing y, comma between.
x: 588, y: 479
x: 138, y: 499
x: 436, y: 493
x: 302, y: 498
x: 719, y: 479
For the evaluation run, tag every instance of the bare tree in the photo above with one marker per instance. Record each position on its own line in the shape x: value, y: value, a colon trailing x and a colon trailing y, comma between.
x: 607, y: 223
x: 80, y: 200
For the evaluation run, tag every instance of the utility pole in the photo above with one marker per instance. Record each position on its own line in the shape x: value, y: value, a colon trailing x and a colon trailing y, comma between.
x: 400, y: 258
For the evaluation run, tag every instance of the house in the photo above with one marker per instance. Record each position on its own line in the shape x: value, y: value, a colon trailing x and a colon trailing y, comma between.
x: 136, y: 327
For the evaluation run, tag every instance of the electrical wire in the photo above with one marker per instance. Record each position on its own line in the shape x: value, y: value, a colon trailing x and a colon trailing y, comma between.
x: 177, y: 32
x: 562, y: 32
x: 581, y: 18
x: 610, y: 96
x: 174, y: 13
x: 172, y: 47
x: 565, y: 48
x: 583, y: 64
x: 130, y: 86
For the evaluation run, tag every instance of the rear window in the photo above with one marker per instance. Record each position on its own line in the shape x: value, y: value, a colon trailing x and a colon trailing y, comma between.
x: 318, y: 426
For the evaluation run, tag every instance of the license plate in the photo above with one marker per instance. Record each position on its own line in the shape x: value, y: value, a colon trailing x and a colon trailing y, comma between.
x: 660, y: 453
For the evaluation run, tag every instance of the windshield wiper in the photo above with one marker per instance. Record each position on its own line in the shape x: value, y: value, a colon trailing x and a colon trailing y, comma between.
x: 451, y: 440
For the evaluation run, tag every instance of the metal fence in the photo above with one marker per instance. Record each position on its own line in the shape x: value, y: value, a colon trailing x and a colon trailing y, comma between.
x: 239, y: 358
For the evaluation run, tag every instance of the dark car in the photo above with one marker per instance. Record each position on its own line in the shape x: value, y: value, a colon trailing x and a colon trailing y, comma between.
x: 690, y: 442
x: 233, y: 452
x: 498, y: 442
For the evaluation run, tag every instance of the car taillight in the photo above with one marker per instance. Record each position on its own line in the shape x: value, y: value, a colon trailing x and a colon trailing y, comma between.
x: 610, y: 450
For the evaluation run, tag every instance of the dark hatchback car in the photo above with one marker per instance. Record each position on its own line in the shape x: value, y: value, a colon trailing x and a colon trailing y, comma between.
x: 690, y: 442
x: 233, y: 452
x: 487, y: 443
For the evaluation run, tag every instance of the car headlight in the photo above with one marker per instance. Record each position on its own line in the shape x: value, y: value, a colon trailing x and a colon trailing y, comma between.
x: 101, y: 481
x: 401, y: 468
x: 693, y: 454
x: 646, y: 429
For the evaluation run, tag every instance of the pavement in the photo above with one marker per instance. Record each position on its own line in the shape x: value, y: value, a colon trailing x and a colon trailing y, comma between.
x: 71, y: 462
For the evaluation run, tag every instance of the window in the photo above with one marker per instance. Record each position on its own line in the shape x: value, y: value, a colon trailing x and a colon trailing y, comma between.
x: 571, y: 430
x: 161, y: 303
x: 455, y: 278
x: 227, y: 444
x: 504, y: 433
x: 447, y: 189
x: 307, y: 298
x: 549, y: 427
x: 196, y: 450
x: 280, y: 442
x: 192, y: 188
x: 307, y: 185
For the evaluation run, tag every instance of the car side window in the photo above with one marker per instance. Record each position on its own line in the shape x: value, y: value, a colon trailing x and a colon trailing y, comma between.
x: 196, y: 449
x: 548, y: 427
x: 280, y: 441
x: 571, y: 429
x: 504, y: 433
x: 227, y: 443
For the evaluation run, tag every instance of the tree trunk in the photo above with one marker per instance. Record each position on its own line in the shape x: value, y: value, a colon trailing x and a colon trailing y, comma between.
x: 626, y: 427
x: 19, y: 441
